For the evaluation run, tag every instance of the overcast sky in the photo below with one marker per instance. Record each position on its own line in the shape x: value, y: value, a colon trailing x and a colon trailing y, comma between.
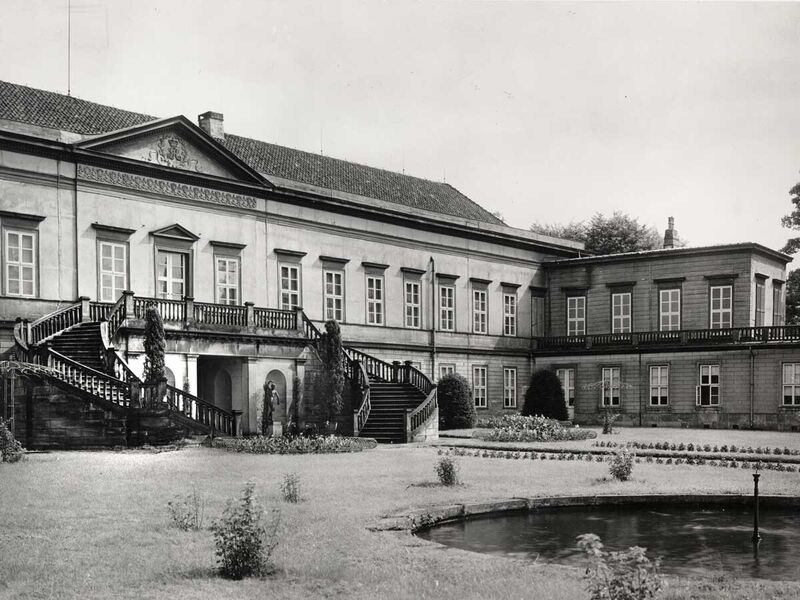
x: 542, y: 111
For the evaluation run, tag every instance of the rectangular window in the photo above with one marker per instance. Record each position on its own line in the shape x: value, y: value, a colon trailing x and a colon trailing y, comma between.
x: 537, y: 316
x: 413, y: 319
x: 509, y: 387
x: 576, y: 315
x: 290, y: 287
x: 708, y: 392
x: 446, y: 370
x: 670, y: 309
x: 778, y: 313
x: 20, y: 263
x: 171, y: 276
x: 791, y: 384
x: 113, y: 270
x: 621, y: 312
x: 761, y: 300
x: 659, y: 386
x: 227, y: 280
x: 721, y: 306
x: 509, y: 314
x: 334, y: 295
x: 374, y: 300
x: 479, y: 387
x: 478, y: 311
x: 447, y: 308
x: 611, y: 386
x: 567, y: 377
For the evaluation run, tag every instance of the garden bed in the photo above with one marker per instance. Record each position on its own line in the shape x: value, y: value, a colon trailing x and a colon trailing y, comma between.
x: 331, y: 444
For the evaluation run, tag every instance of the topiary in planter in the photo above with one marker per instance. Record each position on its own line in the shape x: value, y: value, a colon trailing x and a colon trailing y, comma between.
x: 456, y: 407
x: 545, y: 396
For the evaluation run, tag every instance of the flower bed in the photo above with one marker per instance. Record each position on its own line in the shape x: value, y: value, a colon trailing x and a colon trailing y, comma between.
x: 589, y: 457
x: 681, y: 447
x: 516, y: 428
x: 294, y: 445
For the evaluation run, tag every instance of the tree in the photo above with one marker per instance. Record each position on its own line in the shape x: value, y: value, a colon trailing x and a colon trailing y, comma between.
x: 545, y: 396
x: 154, y: 346
x: 332, y: 379
x: 793, y: 298
x: 456, y: 407
x: 792, y: 221
x: 606, y: 235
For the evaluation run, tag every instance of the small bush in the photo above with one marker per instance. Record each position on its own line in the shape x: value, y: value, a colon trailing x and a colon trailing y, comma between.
x: 290, y: 488
x: 628, y: 575
x: 456, y: 407
x: 447, y: 471
x: 187, y: 511
x: 609, y: 418
x: 10, y: 448
x: 545, y: 396
x: 621, y: 464
x: 244, y: 540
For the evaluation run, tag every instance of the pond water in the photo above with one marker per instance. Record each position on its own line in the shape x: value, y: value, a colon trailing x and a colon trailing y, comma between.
x: 690, y: 539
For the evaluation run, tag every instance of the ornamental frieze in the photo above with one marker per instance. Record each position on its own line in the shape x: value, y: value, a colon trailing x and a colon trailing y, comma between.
x: 159, y: 186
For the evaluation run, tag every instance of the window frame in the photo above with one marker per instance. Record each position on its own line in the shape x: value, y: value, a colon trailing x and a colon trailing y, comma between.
x: 412, y: 306
x: 614, y: 384
x: 326, y: 296
x: 480, y: 310
x: 568, y: 385
x: 623, y: 327
x: 451, y: 309
x: 485, y: 387
x: 509, y: 399
x: 538, y: 315
x: 576, y: 320
x: 720, y: 311
x: 450, y: 367
x: 375, y: 302
x: 794, y: 385
x: 34, y: 265
x: 659, y: 386
x: 510, y: 318
x: 710, y: 385
x: 281, y: 290
x: 760, y: 302
x: 237, y: 287
x: 186, y: 257
x: 669, y: 313
x: 100, y: 241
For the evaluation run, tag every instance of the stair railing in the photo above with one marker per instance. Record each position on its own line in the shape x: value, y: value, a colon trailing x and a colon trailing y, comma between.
x: 54, y: 323
x: 205, y: 413
x: 361, y: 414
x: 88, y: 380
x: 21, y: 340
x: 417, y: 419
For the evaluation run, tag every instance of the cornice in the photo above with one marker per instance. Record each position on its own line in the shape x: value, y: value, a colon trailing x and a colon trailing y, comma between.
x: 161, y: 186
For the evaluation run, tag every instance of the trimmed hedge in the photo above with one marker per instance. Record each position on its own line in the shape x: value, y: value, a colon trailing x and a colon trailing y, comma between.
x: 456, y: 407
x: 330, y: 444
x: 516, y: 428
x: 545, y: 396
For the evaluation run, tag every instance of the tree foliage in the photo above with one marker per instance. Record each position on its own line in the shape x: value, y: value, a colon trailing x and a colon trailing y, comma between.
x: 792, y: 221
x: 793, y: 298
x: 456, y: 407
x: 154, y: 346
x: 332, y: 379
x: 607, y: 235
x: 545, y: 396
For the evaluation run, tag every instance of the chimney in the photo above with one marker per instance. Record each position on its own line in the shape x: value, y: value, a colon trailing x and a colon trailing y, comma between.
x: 669, y: 234
x: 211, y: 123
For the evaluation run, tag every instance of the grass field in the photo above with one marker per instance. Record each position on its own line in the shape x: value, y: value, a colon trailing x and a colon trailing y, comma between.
x: 92, y: 525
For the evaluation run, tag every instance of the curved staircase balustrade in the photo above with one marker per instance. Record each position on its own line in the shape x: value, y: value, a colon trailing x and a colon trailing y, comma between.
x: 418, y: 418
x: 361, y: 414
x: 21, y: 341
x: 88, y: 380
x: 54, y: 323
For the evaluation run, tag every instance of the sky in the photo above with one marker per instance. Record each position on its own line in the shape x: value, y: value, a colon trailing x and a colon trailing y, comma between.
x: 545, y: 112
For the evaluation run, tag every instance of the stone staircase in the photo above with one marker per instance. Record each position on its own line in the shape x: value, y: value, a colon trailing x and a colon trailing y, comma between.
x: 390, y: 404
x: 82, y: 343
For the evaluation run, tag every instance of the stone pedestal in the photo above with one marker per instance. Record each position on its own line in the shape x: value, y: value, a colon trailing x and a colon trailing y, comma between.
x: 277, y: 429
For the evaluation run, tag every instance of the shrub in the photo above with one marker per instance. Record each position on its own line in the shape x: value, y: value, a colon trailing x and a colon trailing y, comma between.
x: 447, y: 470
x: 10, y: 448
x: 628, y: 575
x: 154, y: 345
x: 456, y: 407
x: 516, y: 428
x: 187, y: 511
x: 294, y: 445
x: 621, y: 464
x: 290, y: 488
x: 545, y: 396
x: 331, y: 382
x: 608, y: 421
x: 244, y: 540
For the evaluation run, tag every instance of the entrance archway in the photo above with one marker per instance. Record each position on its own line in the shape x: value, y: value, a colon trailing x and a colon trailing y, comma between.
x: 223, y: 395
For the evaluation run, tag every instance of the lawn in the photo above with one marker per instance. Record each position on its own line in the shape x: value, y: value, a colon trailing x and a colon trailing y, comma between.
x: 94, y: 525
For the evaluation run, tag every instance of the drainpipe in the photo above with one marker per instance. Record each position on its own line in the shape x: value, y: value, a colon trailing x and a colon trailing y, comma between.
x: 641, y: 409
x: 752, y: 387
x: 433, y: 319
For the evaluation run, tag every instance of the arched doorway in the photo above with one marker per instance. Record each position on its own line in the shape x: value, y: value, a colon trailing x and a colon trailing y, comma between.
x: 223, y: 396
x: 170, y: 376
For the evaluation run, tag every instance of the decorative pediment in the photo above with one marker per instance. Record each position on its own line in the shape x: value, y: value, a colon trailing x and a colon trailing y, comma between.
x: 176, y: 232
x: 174, y: 143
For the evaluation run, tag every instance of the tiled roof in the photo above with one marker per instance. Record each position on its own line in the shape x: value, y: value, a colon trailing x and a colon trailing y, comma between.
x: 66, y: 113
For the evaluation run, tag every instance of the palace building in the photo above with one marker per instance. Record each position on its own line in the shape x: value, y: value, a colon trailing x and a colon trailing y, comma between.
x: 247, y: 248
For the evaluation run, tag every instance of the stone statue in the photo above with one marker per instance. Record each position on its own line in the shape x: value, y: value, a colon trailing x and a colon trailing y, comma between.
x: 266, y: 415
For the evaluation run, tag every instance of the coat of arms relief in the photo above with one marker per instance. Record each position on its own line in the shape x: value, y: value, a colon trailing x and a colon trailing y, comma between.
x: 171, y: 151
